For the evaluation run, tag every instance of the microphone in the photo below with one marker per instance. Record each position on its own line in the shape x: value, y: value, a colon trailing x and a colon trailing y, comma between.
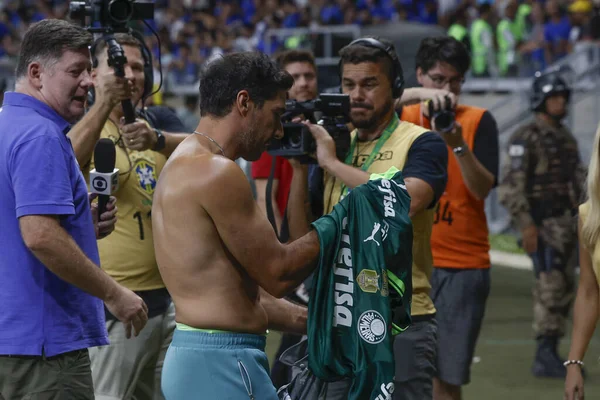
x: 104, y: 179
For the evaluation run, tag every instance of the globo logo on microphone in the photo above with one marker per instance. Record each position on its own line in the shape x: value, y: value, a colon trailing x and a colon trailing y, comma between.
x: 104, y: 182
x: 99, y: 183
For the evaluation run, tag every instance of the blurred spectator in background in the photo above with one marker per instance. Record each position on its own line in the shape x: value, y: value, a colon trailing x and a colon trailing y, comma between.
x: 580, y: 16
x: 531, y: 17
x: 556, y: 32
x: 189, y: 113
x: 459, y: 26
x: 508, y: 38
x: 482, y: 41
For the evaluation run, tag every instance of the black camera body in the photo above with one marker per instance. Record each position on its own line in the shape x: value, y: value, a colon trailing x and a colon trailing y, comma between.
x: 110, y: 15
x: 444, y: 118
x: 332, y: 111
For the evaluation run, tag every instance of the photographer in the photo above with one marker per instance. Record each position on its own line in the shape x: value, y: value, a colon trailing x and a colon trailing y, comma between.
x: 52, y: 288
x: 371, y: 75
x: 459, y: 240
x: 127, y: 368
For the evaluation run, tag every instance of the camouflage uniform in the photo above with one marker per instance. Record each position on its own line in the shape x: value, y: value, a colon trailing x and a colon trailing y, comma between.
x: 543, y: 184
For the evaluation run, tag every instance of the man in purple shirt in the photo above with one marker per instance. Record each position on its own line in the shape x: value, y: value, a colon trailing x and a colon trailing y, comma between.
x: 51, y: 286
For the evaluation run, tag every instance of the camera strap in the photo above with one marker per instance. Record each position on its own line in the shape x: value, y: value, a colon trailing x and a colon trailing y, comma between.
x: 380, y: 142
x: 269, y: 198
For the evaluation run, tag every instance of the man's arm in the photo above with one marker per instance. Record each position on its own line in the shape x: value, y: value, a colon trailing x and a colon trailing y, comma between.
x: 426, y: 171
x: 278, y: 268
x: 261, y: 199
x: 43, y: 192
x: 283, y: 315
x: 586, y: 310
x: 109, y: 90
x: 298, y: 208
x: 172, y: 140
x: 479, y: 166
x: 418, y: 94
x: 86, y: 132
x: 53, y: 246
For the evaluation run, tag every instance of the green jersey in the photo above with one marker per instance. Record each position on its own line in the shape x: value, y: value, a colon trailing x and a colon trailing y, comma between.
x: 362, y: 288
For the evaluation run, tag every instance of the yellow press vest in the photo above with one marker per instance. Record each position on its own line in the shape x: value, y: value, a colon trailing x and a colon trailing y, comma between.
x: 393, y: 154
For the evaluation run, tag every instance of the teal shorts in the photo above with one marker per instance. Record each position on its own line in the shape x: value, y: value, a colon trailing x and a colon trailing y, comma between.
x: 216, y: 365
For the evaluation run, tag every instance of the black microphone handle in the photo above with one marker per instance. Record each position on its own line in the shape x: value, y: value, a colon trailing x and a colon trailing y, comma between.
x: 102, y: 202
x: 128, y: 111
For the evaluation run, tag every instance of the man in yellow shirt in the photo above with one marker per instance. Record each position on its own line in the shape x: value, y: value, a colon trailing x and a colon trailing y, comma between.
x: 131, y: 367
x: 372, y: 76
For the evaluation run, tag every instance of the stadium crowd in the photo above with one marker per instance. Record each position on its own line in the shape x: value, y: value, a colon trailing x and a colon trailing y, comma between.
x: 502, y: 34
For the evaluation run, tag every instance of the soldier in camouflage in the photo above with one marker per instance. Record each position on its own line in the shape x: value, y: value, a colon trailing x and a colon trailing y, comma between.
x: 544, y: 180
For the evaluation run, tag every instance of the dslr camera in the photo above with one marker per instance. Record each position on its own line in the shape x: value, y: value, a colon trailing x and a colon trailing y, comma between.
x: 110, y: 15
x: 443, y: 118
x: 332, y: 111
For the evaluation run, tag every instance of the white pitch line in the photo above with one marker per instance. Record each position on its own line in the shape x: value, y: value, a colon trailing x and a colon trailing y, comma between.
x: 509, y: 260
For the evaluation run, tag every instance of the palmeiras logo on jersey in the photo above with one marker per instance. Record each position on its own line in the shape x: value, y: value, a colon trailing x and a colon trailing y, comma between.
x: 372, y: 327
x: 146, y: 176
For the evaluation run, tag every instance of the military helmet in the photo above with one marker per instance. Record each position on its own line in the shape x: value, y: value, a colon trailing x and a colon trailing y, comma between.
x: 546, y: 85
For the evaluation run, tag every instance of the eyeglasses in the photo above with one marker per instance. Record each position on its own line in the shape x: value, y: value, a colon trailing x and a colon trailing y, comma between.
x: 441, y: 80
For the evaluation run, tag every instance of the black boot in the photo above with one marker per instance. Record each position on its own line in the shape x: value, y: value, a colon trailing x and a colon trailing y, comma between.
x: 547, y: 363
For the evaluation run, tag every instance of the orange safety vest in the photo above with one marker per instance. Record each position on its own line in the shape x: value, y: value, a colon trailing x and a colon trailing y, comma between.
x: 460, y: 232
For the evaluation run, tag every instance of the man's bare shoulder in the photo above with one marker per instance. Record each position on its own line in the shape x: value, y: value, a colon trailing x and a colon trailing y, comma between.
x: 194, y: 169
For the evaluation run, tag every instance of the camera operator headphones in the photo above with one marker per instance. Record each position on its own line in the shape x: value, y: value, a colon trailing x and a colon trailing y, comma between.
x: 397, y: 73
x: 146, y: 55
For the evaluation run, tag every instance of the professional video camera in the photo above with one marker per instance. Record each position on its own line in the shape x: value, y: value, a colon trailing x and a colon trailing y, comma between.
x: 332, y: 111
x: 108, y: 17
x: 111, y: 15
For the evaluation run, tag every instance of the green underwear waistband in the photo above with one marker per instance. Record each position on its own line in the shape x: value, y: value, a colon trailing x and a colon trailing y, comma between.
x: 184, y: 327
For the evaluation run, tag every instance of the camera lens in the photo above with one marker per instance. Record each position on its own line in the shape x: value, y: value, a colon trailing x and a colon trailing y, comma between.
x: 120, y: 10
x: 444, y: 121
x: 295, y: 139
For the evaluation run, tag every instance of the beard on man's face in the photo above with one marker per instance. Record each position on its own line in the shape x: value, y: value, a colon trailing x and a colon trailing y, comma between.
x: 375, y: 116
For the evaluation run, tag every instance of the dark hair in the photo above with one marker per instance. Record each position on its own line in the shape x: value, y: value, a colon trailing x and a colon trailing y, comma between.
x: 222, y: 79
x: 359, y: 53
x: 47, y: 40
x: 124, y: 39
x: 292, y: 56
x: 443, y: 49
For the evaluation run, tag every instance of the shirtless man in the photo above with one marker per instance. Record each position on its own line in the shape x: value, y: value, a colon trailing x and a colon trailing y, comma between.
x: 217, y: 253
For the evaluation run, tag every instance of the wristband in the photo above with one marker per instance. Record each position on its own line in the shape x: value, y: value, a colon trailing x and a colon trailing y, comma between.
x: 460, y: 150
x: 160, y: 140
x: 571, y: 362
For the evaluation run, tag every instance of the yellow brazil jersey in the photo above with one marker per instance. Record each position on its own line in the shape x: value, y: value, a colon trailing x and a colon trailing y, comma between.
x: 127, y: 254
x: 393, y: 153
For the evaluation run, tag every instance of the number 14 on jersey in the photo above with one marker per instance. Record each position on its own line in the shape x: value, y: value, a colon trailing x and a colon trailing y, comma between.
x: 442, y: 213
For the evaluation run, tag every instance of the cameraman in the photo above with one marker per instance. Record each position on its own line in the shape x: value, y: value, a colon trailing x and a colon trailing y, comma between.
x: 459, y: 242
x: 301, y: 65
x: 372, y: 77
x: 130, y: 368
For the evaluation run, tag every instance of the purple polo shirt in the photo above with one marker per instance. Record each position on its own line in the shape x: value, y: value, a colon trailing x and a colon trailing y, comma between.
x: 39, y: 175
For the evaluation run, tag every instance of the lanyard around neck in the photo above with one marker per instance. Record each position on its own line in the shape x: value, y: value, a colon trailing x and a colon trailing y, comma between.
x: 380, y: 142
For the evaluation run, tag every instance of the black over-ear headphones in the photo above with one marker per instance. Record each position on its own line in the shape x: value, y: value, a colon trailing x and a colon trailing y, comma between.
x: 146, y: 55
x: 397, y: 73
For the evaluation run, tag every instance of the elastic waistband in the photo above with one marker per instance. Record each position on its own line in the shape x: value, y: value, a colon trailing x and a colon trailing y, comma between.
x: 200, y: 339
